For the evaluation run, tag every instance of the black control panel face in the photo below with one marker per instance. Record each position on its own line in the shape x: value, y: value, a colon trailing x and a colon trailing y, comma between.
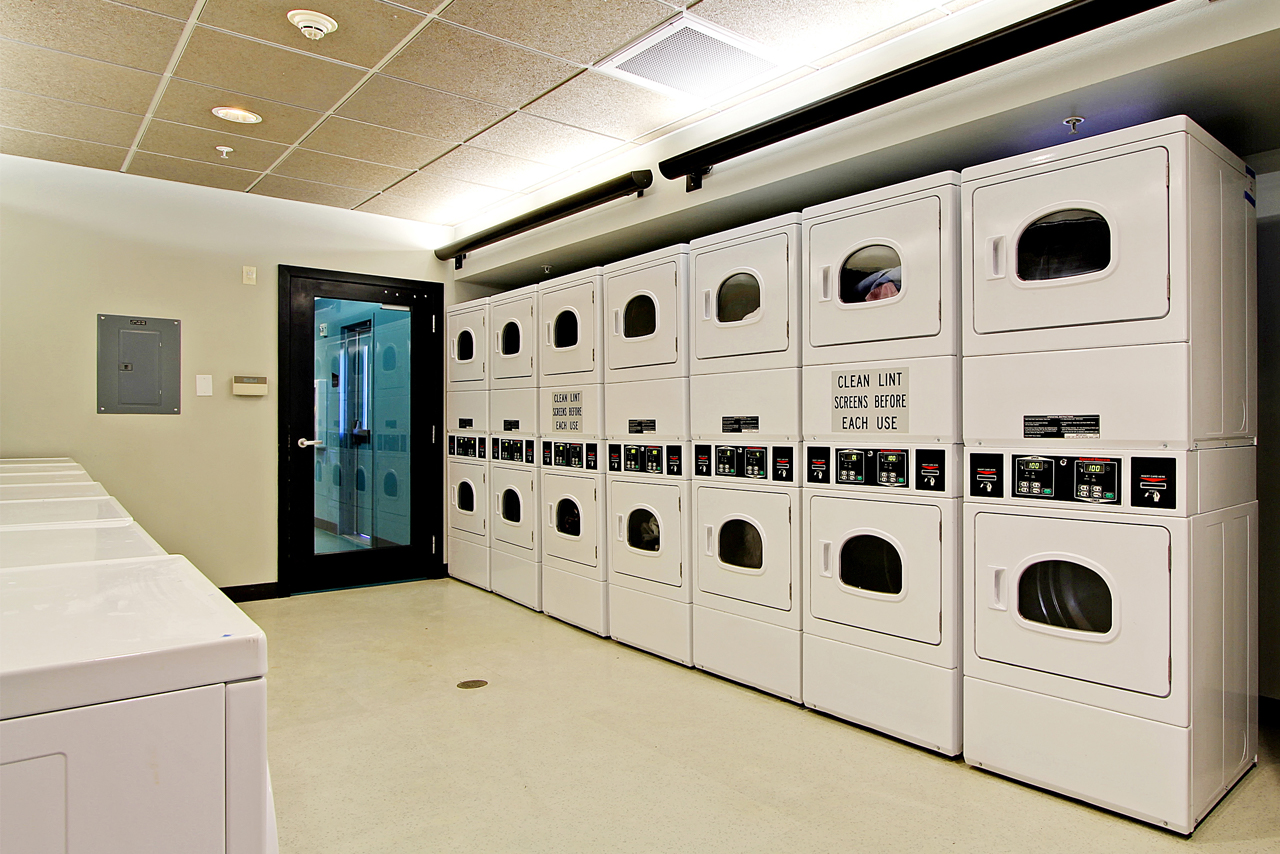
x: 466, y: 446
x: 1153, y: 482
x: 493, y: 453
x: 750, y: 462
x: 453, y: 444
x: 514, y: 450
x: 574, y: 455
x: 648, y: 459
x: 675, y: 460
x: 546, y: 453
x: 702, y: 461
x: 931, y: 470
x: 1091, y: 480
x: 859, y: 466
x: 986, y: 475
x: 783, y: 470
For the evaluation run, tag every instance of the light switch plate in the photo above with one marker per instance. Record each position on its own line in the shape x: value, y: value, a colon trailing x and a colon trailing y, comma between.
x: 249, y: 275
x: 204, y: 385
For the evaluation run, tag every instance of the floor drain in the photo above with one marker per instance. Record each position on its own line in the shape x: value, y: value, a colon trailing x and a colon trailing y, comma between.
x: 473, y: 683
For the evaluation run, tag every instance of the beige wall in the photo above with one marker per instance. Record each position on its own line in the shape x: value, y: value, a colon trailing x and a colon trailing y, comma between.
x: 77, y: 242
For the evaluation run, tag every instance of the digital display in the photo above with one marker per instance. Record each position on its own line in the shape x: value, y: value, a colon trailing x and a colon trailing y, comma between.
x: 1095, y: 467
x: 1034, y: 465
x: 890, y: 458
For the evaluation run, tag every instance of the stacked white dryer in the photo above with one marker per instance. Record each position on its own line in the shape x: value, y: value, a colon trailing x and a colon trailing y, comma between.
x: 571, y: 417
x: 881, y: 461
x: 744, y: 308
x: 467, y: 425
x: 647, y: 428
x: 1109, y: 419
x: 515, y: 536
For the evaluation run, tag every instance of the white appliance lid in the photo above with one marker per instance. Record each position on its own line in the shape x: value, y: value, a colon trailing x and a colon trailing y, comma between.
x: 80, y: 634
x: 23, y: 491
x: 22, y: 547
x: 62, y: 512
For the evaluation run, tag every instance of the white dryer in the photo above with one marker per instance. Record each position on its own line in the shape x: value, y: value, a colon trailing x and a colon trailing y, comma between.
x: 746, y: 570
x: 515, y: 534
x: 646, y: 317
x: 574, y: 584
x: 571, y: 356
x: 882, y: 291
x: 468, y: 500
x: 882, y: 589
x: 745, y: 324
x: 648, y: 531
x: 513, y: 361
x: 1127, y: 256
x: 466, y: 327
x: 1111, y: 624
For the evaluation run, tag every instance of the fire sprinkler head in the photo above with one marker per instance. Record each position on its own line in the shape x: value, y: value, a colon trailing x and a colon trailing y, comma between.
x: 314, y: 25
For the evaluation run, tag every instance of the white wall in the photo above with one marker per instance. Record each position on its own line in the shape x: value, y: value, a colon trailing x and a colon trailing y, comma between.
x: 75, y: 243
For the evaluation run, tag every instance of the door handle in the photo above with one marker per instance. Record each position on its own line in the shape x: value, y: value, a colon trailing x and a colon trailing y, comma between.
x: 826, y: 559
x: 617, y: 321
x: 548, y: 333
x: 995, y: 256
x: 997, y: 589
x: 710, y: 532
x: 310, y: 443
x: 621, y: 533
x: 551, y: 511
x: 826, y: 284
x: 706, y: 305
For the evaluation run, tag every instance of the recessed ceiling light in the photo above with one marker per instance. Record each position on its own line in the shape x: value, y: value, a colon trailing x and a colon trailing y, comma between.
x: 314, y: 25
x: 235, y: 114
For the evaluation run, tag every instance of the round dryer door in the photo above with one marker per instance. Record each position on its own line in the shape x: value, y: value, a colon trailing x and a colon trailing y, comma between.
x: 646, y: 531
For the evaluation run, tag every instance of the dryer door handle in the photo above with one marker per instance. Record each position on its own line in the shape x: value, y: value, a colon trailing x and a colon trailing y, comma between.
x: 995, y: 257
x: 826, y: 559
x: 548, y: 333
x: 997, y: 589
x: 621, y: 533
x: 617, y: 321
x: 710, y: 529
x: 706, y: 304
x: 551, y: 514
x: 825, y: 296
x: 453, y: 495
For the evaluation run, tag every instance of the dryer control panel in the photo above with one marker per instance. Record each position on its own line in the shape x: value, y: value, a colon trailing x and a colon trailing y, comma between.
x: 751, y: 462
x: 1090, y: 480
x: 467, y: 446
x: 647, y: 459
x: 894, y: 468
x: 572, y: 455
x: 514, y: 450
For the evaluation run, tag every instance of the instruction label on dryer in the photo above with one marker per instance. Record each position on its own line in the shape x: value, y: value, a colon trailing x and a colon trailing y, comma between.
x: 566, y: 411
x: 870, y: 401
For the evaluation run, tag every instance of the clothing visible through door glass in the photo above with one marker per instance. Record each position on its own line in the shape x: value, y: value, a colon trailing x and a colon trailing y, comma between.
x: 738, y: 298
x: 872, y: 273
x: 568, y: 518
x: 643, y: 531
x: 1064, y: 243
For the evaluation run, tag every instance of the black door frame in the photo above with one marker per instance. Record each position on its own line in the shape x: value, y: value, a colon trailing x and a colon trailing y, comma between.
x: 298, y: 568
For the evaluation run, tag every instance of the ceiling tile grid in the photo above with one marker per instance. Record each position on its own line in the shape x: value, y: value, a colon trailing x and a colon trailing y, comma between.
x: 425, y: 109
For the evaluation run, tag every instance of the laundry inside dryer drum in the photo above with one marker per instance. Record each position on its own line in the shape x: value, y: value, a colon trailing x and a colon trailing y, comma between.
x: 643, y: 531
x: 872, y: 273
x: 568, y: 518
x: 738, y: 298
x: 640, y: 317
x: 1065, y: 243
x: 871, y: 563
x: 741, y: 544
x: 1066, y: 595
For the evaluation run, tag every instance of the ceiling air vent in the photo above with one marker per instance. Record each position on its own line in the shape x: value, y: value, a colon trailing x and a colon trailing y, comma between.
x: 691, y: 57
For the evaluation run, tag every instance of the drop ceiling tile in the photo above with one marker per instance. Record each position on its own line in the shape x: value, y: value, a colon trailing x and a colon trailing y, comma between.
x: 190, y: 171
x: 436, y: 198
x: 63, y: 118
x: 310, y: 191
x: 489, y: 168
x: 674, y: 126
x: 241, y: 65
x: 607, y: 105
x: 436, y: 212
x: 466, y: 63
x: 582, y: 31
x: 405, y: 106
x: 75, y: 78
x: 172, y: 8
x: 367, y: 30
x: 533, y: 138
x: 348, y: 138
x: 805, y: 29
x: 75, y: 151
x: 192, y: 104
x: 314, y: 166
x: 879, y: 38
x: 192, y: 143
x: 94, y: 28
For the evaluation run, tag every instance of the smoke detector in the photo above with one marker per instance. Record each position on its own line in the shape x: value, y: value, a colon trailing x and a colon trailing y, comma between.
x: 691, y: 57
x: 314, y: 25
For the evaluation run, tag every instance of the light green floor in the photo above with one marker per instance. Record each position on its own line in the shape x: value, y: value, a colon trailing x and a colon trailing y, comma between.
x: 327, y: 543
x: 579, y: 744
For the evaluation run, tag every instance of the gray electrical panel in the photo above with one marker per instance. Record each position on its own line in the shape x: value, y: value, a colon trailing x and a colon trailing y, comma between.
x: 139, y: 365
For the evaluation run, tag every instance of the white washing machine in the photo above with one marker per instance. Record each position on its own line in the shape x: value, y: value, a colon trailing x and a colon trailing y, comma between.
x: 1129, y: 256
x: 882, y: 589
x: 468, y: 500
x: 513, y: 361
x: 648, y: 527
x: 515, y: 534
x: 882, y: 293
x: 646, y: 319
x: 100, y: 511
x: 574, y: 584
x: 745, y: 324
x: 116, y: 674
x: 1111, y: 624
x: 746, y: 570
x: 467, y: 346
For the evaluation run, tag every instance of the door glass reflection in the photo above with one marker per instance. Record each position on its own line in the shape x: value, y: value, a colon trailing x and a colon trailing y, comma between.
x: 362, y: 407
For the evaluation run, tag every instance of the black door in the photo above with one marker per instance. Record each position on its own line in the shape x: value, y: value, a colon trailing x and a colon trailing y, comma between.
x: 361, y: 422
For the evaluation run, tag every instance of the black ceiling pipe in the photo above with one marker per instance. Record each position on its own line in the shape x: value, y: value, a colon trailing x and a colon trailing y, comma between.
x: 623, y: 185
x: 1016, y: 40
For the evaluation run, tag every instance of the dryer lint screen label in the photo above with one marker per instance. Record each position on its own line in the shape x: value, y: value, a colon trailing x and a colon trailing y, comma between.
x: 566, y: 412
x: 870, y: 401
